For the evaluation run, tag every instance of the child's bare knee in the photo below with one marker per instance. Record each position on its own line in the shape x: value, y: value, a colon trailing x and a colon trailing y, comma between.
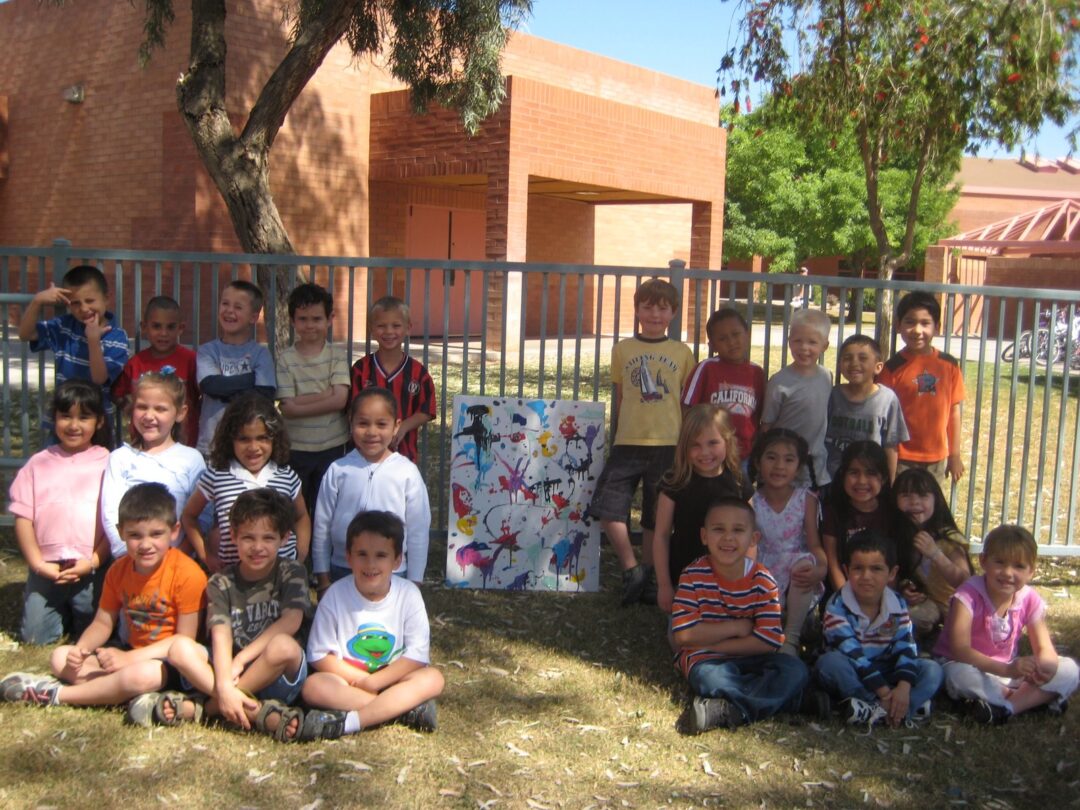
x: 430, y: 680
x: 145, y: 676
x: 283, y: 651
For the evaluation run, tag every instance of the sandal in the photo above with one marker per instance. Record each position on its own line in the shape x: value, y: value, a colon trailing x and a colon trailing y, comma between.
x: 176, y: 700
x: 286, y: 714
x: 322, y: 724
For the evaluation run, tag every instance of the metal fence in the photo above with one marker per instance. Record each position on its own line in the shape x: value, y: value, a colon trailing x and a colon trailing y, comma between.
x: 546, y: 331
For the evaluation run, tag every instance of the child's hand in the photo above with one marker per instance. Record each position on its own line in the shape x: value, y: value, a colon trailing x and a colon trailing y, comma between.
x: 955, y: 467
x: 925, y: 544
x: 95, y: 328
x: 897, y: 703
x: 238, y: 668
x: 1025, y: 666
x: 81, y: 568
x: 805, y: 575
x: 52, y: 295
x: 49, y: 571
x: 232, y: 703
x: 1044, y: 671
x: 912, y: 595
x: 75, y: 657
x: 110, y: 658
x: 399, y: 434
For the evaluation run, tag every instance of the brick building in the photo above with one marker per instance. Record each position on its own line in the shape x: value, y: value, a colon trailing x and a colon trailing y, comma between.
x: 589, y: 160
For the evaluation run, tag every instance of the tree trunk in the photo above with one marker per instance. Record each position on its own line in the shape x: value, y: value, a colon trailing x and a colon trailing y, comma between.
x: 239, y: 164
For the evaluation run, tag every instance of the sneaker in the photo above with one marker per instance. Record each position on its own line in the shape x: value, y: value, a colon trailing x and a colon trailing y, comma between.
x: 633, y: 584
x: 706, y: 713
x: 989, y: 714
x: 29, y: 688
x: 919, y: 716
x: 816, y: 703
x: 321, y: 724
x: 859, y: 712
x: 422, y: 718
x: 1058, y: 707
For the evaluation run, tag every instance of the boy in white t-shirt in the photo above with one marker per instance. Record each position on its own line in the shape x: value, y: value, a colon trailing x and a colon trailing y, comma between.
x: 368, y: 646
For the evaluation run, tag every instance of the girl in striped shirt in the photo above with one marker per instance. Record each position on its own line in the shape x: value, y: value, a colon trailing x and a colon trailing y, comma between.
x: 249, y: 451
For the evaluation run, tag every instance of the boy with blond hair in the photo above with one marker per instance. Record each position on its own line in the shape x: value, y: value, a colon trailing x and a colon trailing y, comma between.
x: 391, y: 367
x: 797, y: 396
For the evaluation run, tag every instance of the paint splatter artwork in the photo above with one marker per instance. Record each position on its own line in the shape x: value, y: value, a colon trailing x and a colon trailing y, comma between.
x: 522, y: 473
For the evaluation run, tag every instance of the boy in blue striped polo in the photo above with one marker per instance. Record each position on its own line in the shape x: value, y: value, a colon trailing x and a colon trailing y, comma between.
x: 872, y: 665
x: 85, y: 342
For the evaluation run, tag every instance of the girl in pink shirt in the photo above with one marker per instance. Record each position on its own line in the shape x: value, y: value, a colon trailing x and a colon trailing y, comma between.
x: 55, y: 502
x: 987, y: 616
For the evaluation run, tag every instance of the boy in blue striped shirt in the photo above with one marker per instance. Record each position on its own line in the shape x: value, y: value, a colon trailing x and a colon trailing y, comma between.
x: 85, y: 342
x: 872, y: 664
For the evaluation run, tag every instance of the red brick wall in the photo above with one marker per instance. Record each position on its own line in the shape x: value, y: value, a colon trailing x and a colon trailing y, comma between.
x: 560, y: 232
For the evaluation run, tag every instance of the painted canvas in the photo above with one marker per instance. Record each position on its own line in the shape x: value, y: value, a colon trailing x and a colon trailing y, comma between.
x: 522, y: 473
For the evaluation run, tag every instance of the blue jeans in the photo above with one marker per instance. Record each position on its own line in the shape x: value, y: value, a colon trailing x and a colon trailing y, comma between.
x: 48, y: 607
x: 760, y: 685
x: 835, y: 671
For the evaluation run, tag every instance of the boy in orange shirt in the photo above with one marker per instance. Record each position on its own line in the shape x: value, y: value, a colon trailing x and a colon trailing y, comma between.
x: 162, y: 593
x: 930, y: 387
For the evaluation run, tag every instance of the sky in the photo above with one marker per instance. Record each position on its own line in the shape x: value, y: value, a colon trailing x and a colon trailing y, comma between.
x: 683, y: 38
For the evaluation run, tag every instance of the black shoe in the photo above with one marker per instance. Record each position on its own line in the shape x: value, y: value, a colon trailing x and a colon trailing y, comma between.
x: 422, y: 718
x: 1057, y: 707
x: 816, y: 703
x: 633, y: 584
x: 988, y: 714
x: 707, y: 713
x: 648, y: 593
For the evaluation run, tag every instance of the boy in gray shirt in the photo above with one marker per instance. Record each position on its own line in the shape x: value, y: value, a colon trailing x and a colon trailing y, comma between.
x: 797, y: 396
x: 860, y: 408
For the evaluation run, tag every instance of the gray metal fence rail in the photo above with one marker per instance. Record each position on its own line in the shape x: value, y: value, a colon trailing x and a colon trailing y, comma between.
x: 1021, y: 419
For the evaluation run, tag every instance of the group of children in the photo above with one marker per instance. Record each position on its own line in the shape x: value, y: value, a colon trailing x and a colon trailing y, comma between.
x: 800, y: 494
x: 803, y: 494
x: 231, y: 500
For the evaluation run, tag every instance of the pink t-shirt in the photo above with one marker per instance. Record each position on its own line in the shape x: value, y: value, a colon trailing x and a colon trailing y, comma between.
x: 59, y: 492
x: 738, y: 387
x: 993, y: 636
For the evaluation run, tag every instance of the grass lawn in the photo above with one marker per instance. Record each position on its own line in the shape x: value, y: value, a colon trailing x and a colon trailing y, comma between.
x: 552, y: 701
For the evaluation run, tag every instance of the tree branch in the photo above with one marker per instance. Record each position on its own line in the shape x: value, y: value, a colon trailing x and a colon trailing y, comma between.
x: 315, y: 37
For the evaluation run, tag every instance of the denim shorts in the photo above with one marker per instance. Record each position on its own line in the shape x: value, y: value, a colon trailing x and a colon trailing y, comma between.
x: 626, y: 466
x: 285, y: 689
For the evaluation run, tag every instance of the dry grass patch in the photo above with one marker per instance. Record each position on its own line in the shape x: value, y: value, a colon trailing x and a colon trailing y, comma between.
x: 551, y: 701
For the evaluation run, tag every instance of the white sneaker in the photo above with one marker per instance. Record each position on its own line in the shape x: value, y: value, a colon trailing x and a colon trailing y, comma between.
x: 859, y: 712
x: 918, y: 717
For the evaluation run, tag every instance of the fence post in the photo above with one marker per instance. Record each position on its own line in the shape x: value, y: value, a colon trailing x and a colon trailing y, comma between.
x: 677, y: 271
x: 60, y: 254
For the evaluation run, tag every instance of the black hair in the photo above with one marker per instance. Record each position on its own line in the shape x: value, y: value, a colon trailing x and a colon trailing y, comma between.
x: 781, y: 436
x: 251, y: 289
x: 919, y: 300
x: 861, y: 340
x: 165, y: 303
x: 150, y: 501
x: 263, y: 503
x: 731, y: 502
x: 723, y: 314
x: 307, y: 295
x: 869, y: 541
x: 85, y: 274
x: 872, y: 456
x: 384, y: 524
x: 241, y: 411
x: 373, y: 391
x: 89, y: 399
x: 920, y: 482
